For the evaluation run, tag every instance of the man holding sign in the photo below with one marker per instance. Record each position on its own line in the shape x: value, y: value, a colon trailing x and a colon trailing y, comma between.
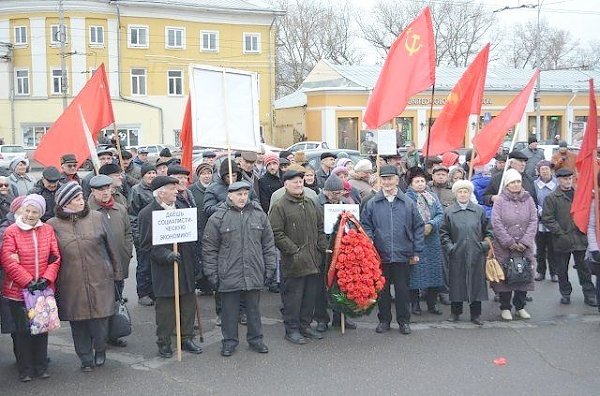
x: 162, y: 259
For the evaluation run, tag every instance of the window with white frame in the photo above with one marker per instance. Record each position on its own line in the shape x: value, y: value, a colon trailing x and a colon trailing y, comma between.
x: 22, y: 82
x: 138, y: 82
x: 20, y: 35
x: 57, y: 81
x: 137, y: 36
x: 32, y: 134
x: 58, y: 34
x: 251, y: 43
x: 175, y: 78
x: 96, y: 35
x: 130, y: 136
x: 174, y: 37
x: 209, y: 41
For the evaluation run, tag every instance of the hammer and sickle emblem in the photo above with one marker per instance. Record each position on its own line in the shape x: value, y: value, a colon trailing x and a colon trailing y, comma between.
x: 414, y: 46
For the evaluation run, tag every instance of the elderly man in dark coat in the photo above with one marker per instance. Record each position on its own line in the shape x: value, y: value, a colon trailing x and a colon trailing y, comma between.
x: 239, y: 255
x: 162, y: 259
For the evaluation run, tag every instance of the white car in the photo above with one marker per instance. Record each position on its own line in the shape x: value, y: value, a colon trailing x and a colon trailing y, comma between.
x: 309, y: 145
x: 8, y: 152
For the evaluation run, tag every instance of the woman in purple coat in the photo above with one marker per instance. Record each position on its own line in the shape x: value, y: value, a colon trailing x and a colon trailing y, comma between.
x: 514, y: 221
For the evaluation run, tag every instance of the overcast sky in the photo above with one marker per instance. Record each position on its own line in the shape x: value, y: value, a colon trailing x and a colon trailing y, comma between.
x: 580, y: 17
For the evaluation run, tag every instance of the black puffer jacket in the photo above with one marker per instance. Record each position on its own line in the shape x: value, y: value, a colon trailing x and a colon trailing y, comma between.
x: 48, y: 195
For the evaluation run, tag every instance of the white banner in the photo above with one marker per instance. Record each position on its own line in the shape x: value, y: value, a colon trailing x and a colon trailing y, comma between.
x: 224, y: 108
x: 386, y: 142
x: 173, y: 226
x: 332, y: 212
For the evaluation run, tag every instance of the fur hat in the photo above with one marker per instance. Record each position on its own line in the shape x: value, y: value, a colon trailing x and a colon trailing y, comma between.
x: 460, y: 184
x: 510, y: 176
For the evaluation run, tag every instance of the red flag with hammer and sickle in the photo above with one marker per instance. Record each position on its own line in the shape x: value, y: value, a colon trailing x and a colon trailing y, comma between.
x: 409, y: 69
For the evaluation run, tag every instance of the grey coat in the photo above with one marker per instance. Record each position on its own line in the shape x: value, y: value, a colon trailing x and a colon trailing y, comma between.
x: 462, y: 235
x: 238, y: 248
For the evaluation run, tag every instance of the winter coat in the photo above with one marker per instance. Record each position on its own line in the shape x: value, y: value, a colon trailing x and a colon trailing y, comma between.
x: 534, y: 156
x: 185, y: 200
x: 38, y: 257
x: 20, y: 185
x: 162, y: 268
x: 566, y: 161
x: 543, y: 190
x: 140, y: 196
x: 197, y: 190
x: 216, y: 193
x: 251, y: 178
x: 480, y: 183
x: 48, y: 195
x: 428, y: 272
x: 133, y: 174
x: 90, y: 265
x: 494, y: 188
x: 443, y: 192
x: 120, y: 227
x: 514, y: 220
x: 556, y: 216
x: 321, y: 176
x: 267, y: 185
x: 5, y: 201
x: 297, y: 224
x: 362, y: 186
x: 396, y: 227
x: 64, y: 178
x: 308, y: 193
x: 462, y: 234
x: 238, y: 248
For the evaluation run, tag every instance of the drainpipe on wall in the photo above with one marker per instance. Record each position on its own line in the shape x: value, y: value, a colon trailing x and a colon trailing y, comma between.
x: 121, y: 97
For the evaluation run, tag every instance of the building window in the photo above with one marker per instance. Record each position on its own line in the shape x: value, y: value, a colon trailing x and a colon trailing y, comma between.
x: 58, y: 35
x: 32, y: 134
x: 57, y: 82
x: 138, y: 82
x: 209, y: 41
x: 137, y: 36
x: 174, y: 38
x: 175, y: 78
x: 347, y: 132
x: 128, y: 136
x: 96, y: 36
x: 404, y: 130
x: 251, y: 43
x: 22, y: 82
x: 20, y: 35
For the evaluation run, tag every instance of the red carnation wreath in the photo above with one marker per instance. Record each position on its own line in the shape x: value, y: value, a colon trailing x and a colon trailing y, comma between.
x: 354, y: 276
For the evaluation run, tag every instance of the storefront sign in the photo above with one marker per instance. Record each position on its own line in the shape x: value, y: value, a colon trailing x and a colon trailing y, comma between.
x: 439, y: 101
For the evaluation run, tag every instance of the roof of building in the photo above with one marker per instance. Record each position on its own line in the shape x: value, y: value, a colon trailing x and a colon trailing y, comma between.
x: 215, y: 5
x: 328, y: 76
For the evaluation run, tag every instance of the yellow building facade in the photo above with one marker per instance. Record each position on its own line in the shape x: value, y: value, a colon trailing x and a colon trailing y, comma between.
x: 146, y: 47
x: 331, y: 103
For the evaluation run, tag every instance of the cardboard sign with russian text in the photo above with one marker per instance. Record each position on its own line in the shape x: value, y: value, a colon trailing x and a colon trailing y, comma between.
x: 332, y: 213
x: 174, y: 226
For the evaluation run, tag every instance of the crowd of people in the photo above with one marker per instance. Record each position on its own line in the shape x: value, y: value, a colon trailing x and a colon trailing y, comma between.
x: 434, y: 222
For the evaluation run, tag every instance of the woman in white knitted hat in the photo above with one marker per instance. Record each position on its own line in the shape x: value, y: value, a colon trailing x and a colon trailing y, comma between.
x: 514, y: 221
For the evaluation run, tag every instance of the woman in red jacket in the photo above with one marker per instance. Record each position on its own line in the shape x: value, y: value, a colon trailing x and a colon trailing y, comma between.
x: 31, y: 259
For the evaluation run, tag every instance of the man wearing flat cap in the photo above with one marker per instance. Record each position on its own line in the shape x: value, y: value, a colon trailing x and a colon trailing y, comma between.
x: 162, y: 259
x: 68, y: 164
x: 120, y: 189
x: 250, y: 174
x: 533, y: 154
x: 298, y: 229
x: 131, y: 170
x: 185, y: 199
x: 103, y: 201
x: 327, y: 165
x: 518, y: 161
x: 239, y: 256
x: 567, y: 240
x: 47, y: 187
x: 142, y: 157
x: 105, y: 157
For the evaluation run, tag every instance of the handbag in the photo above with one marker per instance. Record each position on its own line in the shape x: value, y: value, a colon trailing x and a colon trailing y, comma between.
x: 493, y: 270
x: 120, y: 323
x: 42, y: 312
x: 517, y: 270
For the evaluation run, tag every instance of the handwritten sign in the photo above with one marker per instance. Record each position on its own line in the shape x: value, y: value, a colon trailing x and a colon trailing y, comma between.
x: 386, y: 142
x: 173, y: 226
x: 332, y: 212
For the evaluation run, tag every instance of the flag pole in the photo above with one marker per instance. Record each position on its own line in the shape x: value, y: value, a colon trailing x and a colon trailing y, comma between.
x: 177, y: 313
x: 512, y: 145
x: 429, y: 121
x: 596, y: 195
x: 118, y: 142
x: 474, y: 151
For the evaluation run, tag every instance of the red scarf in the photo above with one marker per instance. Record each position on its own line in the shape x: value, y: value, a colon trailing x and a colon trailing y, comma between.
x: 109, y: 204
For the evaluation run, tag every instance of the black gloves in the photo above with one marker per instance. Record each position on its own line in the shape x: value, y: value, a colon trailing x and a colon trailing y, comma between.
x: 173, y: 256
x: 32, y: 286
x: 41, y: 284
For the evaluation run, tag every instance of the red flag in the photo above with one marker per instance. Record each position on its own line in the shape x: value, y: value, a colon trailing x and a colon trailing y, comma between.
x: 448, y: 131
x: 92, y: 106
x: 580, y: 210
x: 408, y: 69
x: 487, y: 141
x: 186, y: 137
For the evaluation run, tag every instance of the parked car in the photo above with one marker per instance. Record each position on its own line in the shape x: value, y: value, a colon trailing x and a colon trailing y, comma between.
x: 8, y: 152
x: 308, y: 145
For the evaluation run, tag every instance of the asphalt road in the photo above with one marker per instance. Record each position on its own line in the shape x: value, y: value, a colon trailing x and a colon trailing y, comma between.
x: 553, y: 353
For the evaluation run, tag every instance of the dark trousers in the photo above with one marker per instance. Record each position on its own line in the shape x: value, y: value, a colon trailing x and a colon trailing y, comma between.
x: 430, y: 296
x: 218, y: 304
x: 474, y: 307
x: 397, y: 274
x: 518, y: 300
x: 583, y: 273
x: 545, y: 253
x: 299, y: 296
x: 321, y: 315
x: 31, y: 352
x: 230, y: 313
x: 143, y: 275
x: 89, y: 336
x: 165, y: 317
